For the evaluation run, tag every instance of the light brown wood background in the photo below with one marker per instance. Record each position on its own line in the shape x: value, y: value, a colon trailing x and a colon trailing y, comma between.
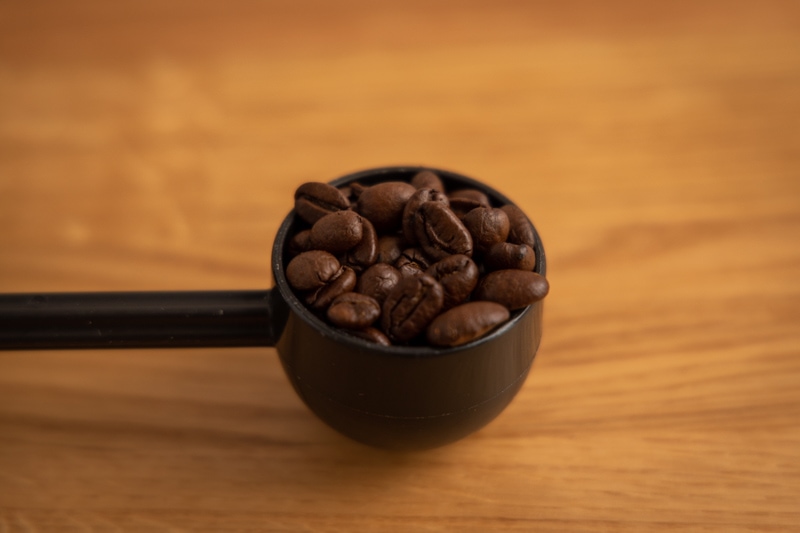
x: 656, y: 145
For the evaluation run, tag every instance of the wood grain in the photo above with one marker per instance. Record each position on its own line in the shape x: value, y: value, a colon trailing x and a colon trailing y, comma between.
x: 150, y: 145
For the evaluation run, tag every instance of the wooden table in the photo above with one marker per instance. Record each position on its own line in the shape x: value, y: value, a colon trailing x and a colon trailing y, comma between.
x: 152, y: 145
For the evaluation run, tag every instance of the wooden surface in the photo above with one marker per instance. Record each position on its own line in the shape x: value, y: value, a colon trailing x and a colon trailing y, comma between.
x: 156, y: 145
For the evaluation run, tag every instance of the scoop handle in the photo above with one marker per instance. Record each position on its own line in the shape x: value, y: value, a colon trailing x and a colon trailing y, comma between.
x: 161, y: 319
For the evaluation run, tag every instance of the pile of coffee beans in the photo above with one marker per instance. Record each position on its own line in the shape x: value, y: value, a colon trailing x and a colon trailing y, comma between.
x: 409, y: 263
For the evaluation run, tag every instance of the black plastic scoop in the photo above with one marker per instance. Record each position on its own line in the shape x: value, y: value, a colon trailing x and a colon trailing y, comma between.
x: 402, y: 397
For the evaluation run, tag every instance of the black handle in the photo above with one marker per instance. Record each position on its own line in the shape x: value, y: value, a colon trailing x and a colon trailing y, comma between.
x: 136, y: 319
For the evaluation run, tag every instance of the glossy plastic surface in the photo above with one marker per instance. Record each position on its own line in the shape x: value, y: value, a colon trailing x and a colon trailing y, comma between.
x: 159, y: 319
x: 402, y: 397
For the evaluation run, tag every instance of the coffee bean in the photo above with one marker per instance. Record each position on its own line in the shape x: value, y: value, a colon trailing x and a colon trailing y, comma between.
x: 365, y: 253
x: 300, y: 242
x: 383, y: 204
x: 314, y: 200
x: 337, y: 232
x: 352, y: 310
x: 371, y: 334
x: 411, y: 306
x: 487, y: 225
x: 352, y: 191
x: 378, y: 281
x: 475, y: 195
x: 413, y: 205
x: 465, y: 200
x: 412, y: 262
x: 404, y: 260
x: 389, y: 249
x: 520, y: 228
x: 311, y: 270
x: 505, y: 255
x: 357, y: 188
x: 458, y: 275
x: 427, y: 179
x: 440, y: 232
x: 514, y: 289
x: 344, y: 281
x: 466, y: 323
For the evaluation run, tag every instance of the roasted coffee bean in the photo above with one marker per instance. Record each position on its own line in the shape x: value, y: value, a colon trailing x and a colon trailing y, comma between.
x: 466, y: 323
x: 465, y: 200
x: 383, y: 204
x: 347, y: 193
x: 404, y: 260
x: 413, y: 204
x: 345, y: 190
x: 352, y: 192
x: 314, y: 200
x: 410, y: 307
x: 352, y: 310
x: 389, y: 249
x: 475, y: 195
x: 344, y: 281
x: 520, y: 228
x: 357, y: 188
x: 412, y: 262
x: 427, y: 179
x: 300, y: 242
x: 311, y: 270
x: 378, y: 281
x: 458, y: 275
x: 408, y: 268
x: 440, y: 233
x: 487, y: 225
x: 365, y: 253
x: 514, y: 289
x: 371, y: 334
x: 505, y: 255
x: 337, y: 232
